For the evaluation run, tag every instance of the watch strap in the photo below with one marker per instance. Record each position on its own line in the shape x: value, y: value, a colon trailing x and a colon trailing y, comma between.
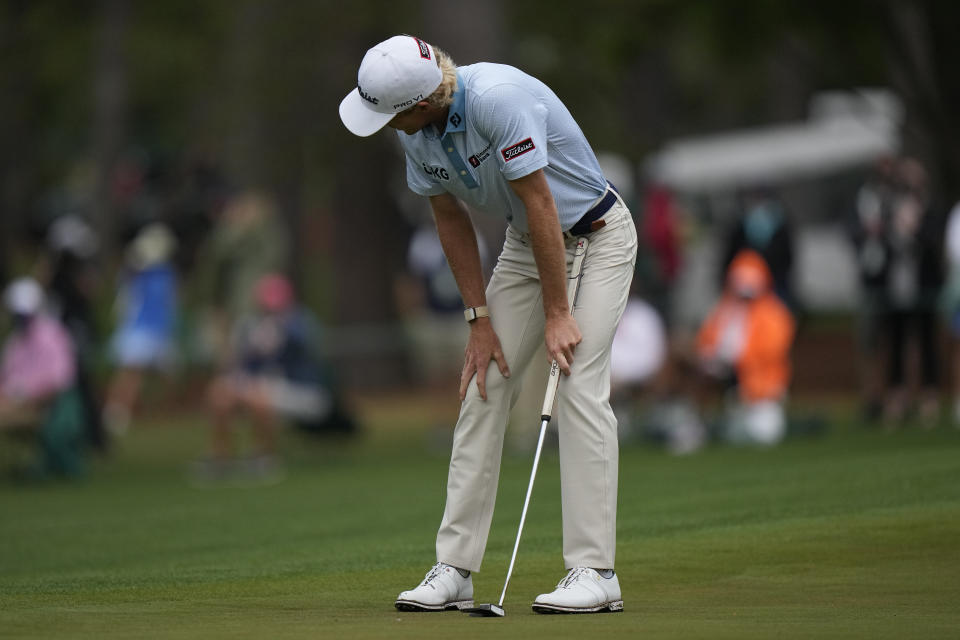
x: 473, y: 313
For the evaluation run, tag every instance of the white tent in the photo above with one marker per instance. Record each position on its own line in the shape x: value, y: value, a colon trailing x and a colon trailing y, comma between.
x: 845, y: 130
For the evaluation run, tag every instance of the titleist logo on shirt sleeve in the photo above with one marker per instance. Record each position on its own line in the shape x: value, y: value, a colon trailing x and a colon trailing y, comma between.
x: 518, y: 149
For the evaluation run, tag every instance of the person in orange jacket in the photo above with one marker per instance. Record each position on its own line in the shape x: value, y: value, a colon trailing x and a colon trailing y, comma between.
x: 747, y: 336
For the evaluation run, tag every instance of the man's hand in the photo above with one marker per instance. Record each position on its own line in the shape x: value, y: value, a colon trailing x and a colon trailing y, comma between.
x: 483, y: 346
x: 562, y: 335
x: 460, y: 246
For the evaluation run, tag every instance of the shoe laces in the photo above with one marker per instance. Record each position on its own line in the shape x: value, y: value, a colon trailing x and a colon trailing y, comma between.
x: 433, y: 574
x: 572, y: 577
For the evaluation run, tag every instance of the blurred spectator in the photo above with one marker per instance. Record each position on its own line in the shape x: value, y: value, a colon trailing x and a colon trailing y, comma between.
x: 200, y: 194
x: 950, y: 301
x: 764, y: 228
x: 145, y: 338
x: 647, y: 393
x: 660, y: 226
x: 745, y: 343
x: 37, y: 391
x: 69, y: 272
x: 275, y: 375
x: 914, y: 278
x: 638, y: 354
x: 249, y: 241
x: 432, y: 308
x: 868, y: 232
x: 639, y: 345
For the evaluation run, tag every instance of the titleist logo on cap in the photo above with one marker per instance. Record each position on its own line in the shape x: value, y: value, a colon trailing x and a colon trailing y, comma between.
x: 366, y: 96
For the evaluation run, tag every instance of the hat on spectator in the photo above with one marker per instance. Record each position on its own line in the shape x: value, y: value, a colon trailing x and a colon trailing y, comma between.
x: 273, y: 293
x: 24, y: 296
x: 153, y: 245
x: 72, y: 234
x: 749, y: 275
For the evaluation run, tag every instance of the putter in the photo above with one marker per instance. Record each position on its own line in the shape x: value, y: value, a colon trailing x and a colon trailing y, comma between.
x: 573, y: 285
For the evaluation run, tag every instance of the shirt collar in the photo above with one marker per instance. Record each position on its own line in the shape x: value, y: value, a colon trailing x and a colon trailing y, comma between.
x: 457, y: 116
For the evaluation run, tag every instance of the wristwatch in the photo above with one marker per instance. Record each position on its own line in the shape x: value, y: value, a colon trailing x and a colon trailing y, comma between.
x: 473, y: 313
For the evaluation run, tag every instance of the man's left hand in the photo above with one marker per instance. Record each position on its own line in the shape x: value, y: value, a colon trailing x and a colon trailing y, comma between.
x: 562, y: 335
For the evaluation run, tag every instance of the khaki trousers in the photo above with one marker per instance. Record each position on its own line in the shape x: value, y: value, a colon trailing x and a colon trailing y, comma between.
x: 587, y: 426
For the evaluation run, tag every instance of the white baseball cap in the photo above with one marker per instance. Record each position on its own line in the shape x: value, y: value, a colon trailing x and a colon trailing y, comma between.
x: 153, y: 245
x: 394, y: 75
x: 24, y: 296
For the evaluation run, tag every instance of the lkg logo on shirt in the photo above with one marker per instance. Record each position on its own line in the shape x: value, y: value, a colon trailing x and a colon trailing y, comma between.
x: 437, y: 172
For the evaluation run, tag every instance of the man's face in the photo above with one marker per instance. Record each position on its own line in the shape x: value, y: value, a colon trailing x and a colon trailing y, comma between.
x: 413, y: 119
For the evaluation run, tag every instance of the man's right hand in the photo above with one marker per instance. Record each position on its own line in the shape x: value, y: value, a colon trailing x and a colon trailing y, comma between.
x: 482, y: 347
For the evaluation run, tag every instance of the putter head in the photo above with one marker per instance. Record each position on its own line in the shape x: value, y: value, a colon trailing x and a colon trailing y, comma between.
x: 485, y: 611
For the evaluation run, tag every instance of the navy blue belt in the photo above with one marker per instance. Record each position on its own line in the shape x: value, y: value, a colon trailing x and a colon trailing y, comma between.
x: 593, y: 220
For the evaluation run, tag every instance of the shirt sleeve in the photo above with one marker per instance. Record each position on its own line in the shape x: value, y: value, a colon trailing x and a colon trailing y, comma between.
x: 41, y: 363
x: 515, y: 122
x: 62, y: 371
x: 952, y: 242
x: 419, y: 181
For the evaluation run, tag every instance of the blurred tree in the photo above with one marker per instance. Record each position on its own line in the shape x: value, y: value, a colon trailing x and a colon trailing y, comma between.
x: 923, y: 47
x: 42, y: 99
x: 14, y: 82
x: 646, y: 71
x: 110, y: 97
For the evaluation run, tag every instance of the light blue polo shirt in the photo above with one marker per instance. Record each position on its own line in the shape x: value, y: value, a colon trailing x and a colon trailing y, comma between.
x: 503, y: 125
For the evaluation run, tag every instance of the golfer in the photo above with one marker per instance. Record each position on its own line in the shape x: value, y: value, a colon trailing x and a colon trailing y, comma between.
x: 500, y: 141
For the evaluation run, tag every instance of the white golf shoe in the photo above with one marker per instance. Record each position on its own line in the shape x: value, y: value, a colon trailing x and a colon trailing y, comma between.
x: 442, y: 589
x: 583, y: 590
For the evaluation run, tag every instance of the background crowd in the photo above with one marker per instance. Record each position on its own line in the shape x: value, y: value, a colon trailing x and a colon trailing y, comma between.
x: 218, y: 308
x: 225, y: 317
x: 185, y: 228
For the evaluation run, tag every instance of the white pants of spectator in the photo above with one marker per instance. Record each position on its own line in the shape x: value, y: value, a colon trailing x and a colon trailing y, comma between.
x: 763, y: 422
x: 588, y: 429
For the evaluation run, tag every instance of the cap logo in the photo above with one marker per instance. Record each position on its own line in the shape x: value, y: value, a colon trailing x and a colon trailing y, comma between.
x: 517, y: 150
x: 394, y: 75
x: 408, y: 103
x: 424, y: 48
x: 366, y: 96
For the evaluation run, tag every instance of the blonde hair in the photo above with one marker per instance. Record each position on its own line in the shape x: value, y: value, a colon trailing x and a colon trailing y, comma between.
x: 443, y: 96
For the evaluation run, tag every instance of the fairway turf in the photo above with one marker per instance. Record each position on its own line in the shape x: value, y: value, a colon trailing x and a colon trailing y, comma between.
x: 854, y: 534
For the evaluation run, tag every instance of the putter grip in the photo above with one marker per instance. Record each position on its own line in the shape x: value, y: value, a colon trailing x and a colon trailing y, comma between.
x: 573, y: 286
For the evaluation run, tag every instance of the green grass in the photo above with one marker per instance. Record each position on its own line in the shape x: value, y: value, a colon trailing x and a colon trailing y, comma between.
x: 855, y: 534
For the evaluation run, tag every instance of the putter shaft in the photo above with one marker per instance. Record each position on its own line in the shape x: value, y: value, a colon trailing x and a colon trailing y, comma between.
x: 549, y: 399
